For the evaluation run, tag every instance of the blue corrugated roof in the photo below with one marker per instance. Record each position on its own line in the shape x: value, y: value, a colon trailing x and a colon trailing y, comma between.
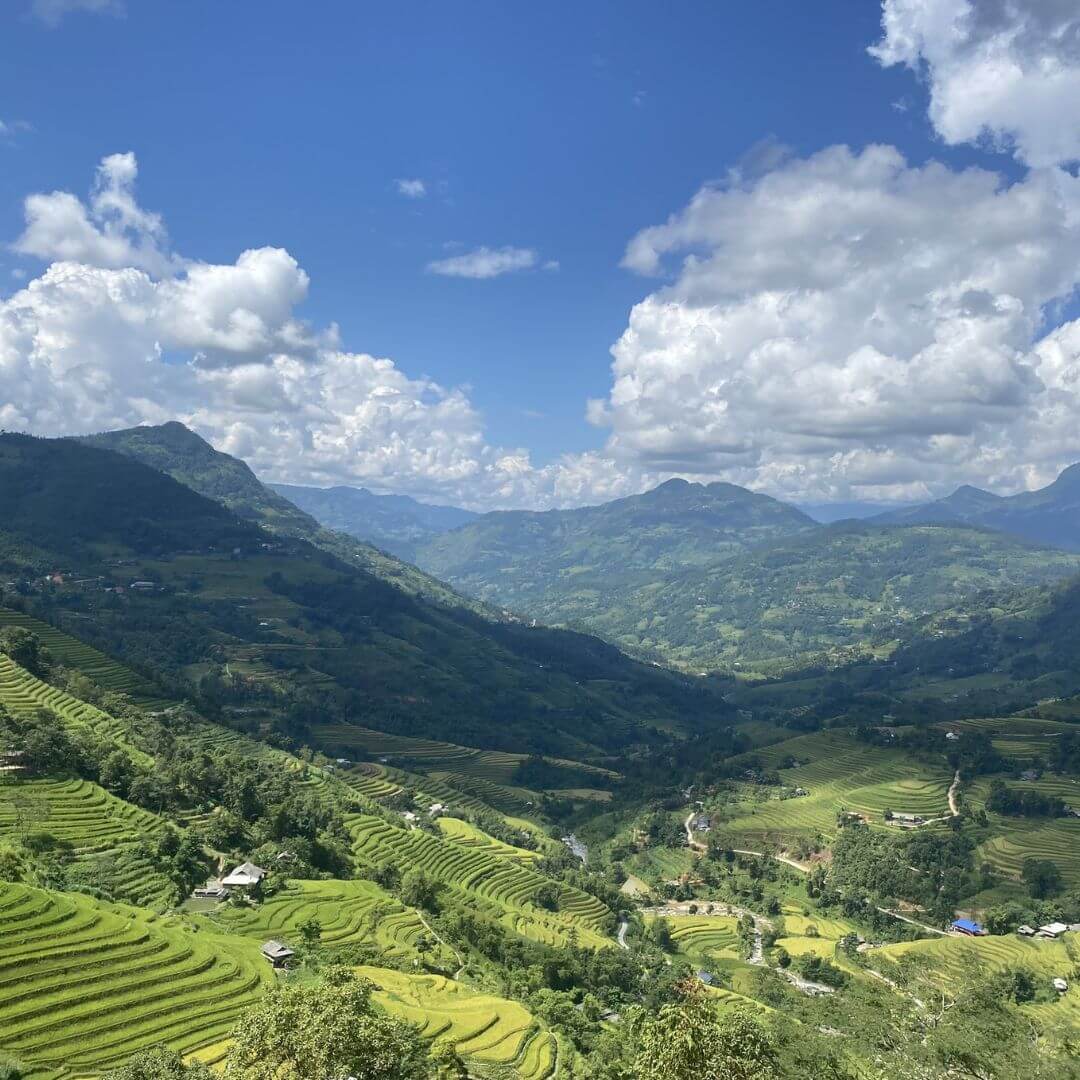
x: 967, y: 924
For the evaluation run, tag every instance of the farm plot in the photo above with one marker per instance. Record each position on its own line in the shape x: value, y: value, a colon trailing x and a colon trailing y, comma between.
x: 839, y: 773
x: 73, y: 653
x: 22, y: 693
x: 706, y: 937
x: 952, y: 960
x: 349, y: 912
x: 84, y: 984
x: 487, y: 1031
x: 1019, y: 839
x: 507, y: 886
x: 106, y: 835
x: 468, y: 835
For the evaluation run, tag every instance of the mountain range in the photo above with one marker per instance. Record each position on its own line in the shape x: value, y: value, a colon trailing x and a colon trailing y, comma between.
x: 395, y: 523
x: 714, y: 576
x: 1050, y: 515
x: 325, y: 638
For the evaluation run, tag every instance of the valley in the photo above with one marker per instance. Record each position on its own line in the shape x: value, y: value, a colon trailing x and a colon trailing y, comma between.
x: 417, y: 782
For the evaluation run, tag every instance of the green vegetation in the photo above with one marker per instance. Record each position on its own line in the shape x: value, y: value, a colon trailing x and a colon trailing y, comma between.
x: 715, y: 577
x: 85, y: 984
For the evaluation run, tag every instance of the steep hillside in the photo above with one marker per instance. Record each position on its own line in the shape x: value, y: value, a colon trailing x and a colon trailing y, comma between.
x: 232, y: 613
x: 174, y: 449
x: 75, y: 500
x: 525, y: 560
x: 719, y: 578
x: 1050, y: 515
x: 395, y: 523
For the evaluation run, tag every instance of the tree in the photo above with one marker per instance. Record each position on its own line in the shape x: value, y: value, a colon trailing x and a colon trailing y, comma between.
x: 1042, y: 877
x: 159, y: 1063
x: 324, y: 1032
x: 25, y: 648
x: 690, y: 1040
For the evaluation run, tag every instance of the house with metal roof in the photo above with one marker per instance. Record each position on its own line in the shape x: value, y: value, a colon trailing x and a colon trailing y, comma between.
x: 968, y: 927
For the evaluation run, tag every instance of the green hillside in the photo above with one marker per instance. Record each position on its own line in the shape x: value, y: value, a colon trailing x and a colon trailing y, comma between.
x: 395, y: 523
x: 174, y: 449
x: 1049, y: 515
x: 715, y: 577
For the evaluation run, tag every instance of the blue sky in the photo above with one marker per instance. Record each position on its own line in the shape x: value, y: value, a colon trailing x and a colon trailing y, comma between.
x: 562, y: 129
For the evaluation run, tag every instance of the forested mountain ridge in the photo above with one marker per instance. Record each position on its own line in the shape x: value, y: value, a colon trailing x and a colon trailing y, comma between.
x: 178, y: 451
x: 225, y: 598
x: 717, y: 577
x: 395, y: 523
x: 1050, y: 515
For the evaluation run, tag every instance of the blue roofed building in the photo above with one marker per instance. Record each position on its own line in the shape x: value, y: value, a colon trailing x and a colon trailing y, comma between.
x: 969, y: 927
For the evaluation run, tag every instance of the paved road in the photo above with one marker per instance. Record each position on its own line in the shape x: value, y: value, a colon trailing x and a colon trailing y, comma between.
x: 623, y: 927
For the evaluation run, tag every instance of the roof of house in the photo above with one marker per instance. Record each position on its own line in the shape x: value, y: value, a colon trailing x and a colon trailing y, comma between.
x: 245, y: 874
x: 1054, y: 928
x: 277, y: 950
x: 969, y: 925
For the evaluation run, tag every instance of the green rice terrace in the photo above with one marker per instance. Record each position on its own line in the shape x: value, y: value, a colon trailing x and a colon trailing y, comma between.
x: 84, y: 984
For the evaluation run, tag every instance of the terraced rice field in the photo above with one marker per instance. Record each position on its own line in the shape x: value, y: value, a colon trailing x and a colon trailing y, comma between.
x: 951, y: 960
x: 501, y: 797
x: 350, y: 912
x: 1019, y: 839
x: 468, y: 835
x: 370, y: 780
x: 839, y: 773
x: 504, y: 884
x: 73, y: 653
x: 487, y: 1031
x: 83, y: 984
x: 496, y: 766
x: 104, y: 831
x: 1017, y: 737
x: 76, y: 811
x: 23, y: 693
x: 706, y: 937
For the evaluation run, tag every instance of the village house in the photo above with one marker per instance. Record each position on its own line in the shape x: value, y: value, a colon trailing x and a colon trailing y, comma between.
x: 278, y: 953
x: 701, y: 823
x: 211, y: 892
x: 1025, y: 930
x: 1052, y: 930
x: 907, y: 819
x: 245, y: 876
x: 968, y: 927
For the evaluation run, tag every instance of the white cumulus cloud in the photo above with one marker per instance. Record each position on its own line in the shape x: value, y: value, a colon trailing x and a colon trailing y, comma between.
x: 485, y: 262
x: 1006, y: 71
x: 849, y: 325
x: 117, y: 331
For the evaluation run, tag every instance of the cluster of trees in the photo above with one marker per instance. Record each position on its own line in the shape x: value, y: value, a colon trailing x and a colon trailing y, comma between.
x: 1003, y: 799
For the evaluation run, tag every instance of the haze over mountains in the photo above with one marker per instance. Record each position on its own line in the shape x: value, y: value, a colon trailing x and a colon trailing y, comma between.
x: 395, y: 523
x: 1050, y: 515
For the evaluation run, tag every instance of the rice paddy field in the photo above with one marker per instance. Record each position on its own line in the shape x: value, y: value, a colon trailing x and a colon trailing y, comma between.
x: 1018, y: 839
x: 951, y: 960
x: 468, y: 835
x: 22, y: 693
x: 73, y: 653
x: 350, y: 912
x: 1016, y: 737
x: 493, y: 1035
x: 84, y: 984
x: 839, y: 773
x: 705, y: 938
x: 494, y: 766
x: 502, y: 884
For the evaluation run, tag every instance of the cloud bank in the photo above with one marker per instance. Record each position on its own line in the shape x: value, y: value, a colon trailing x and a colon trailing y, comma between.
x: 1002, y: 71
